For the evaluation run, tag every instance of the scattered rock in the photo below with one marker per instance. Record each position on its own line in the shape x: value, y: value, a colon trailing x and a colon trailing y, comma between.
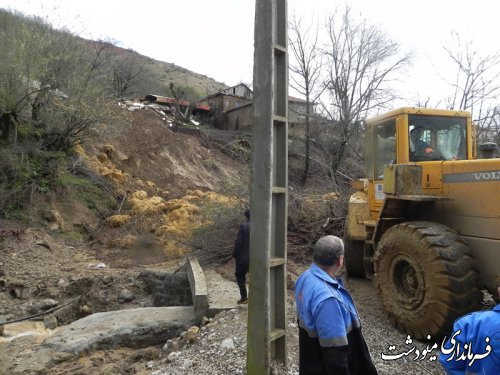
x: 149, y: 365
x: 50, y: 322
x: 6, y: 318
x: 46, y: 304
x: 53, y: 226
x: 17, y: 291
x: 173, y: 356
x: 29, y: 308
x: 172, y: 345
x: 54, y: 219
x: 227, y: 344
x: 52, y: 216
x: 96, y: 266
x: 107, y: 280
x: 85, y: 309
x: 192, y: 333
x: 205, y: 321
x: 125, y: 295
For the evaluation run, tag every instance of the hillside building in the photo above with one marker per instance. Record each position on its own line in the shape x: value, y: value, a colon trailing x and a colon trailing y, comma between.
x: 232, y: 108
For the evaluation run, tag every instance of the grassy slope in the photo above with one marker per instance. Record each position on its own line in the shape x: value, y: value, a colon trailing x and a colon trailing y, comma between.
x: 166, y: 72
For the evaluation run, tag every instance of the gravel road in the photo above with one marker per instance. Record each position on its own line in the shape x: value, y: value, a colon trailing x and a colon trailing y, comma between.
x: 220, y: 347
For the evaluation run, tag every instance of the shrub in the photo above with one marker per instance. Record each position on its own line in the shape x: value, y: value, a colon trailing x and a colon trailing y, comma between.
x: 25, y: 171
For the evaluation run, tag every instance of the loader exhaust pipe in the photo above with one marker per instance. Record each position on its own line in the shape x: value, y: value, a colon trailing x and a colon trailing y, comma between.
x: 488, y: 150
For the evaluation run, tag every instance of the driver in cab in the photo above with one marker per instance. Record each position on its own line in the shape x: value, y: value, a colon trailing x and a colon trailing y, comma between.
x: 420, y: 149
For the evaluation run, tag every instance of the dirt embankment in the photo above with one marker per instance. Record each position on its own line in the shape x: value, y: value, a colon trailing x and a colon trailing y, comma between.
x: 158, y: 184
x: 137, y: 192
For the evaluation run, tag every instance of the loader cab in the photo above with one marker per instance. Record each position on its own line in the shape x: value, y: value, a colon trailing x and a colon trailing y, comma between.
x: 432, y: 138
x: 415, y: 135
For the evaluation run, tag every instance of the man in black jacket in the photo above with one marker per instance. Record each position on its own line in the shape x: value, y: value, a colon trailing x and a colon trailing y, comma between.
x: 242, y: 257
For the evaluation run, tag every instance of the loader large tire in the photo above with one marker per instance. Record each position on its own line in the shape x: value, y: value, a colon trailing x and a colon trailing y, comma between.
x: 354, y: 258
x: 427, y: 277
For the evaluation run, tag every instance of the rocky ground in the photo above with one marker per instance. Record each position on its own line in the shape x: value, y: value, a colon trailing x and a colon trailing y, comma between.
x: 217, y: 347
x: 221, y: 345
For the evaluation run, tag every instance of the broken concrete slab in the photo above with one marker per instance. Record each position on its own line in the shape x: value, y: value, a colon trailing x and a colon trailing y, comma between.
x: 134, y: 328
x: 198, y: 286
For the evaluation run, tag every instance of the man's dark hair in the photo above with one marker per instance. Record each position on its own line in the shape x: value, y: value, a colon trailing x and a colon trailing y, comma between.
x: 247, y: 214
x: 416, y: 133
x: 328, y: 250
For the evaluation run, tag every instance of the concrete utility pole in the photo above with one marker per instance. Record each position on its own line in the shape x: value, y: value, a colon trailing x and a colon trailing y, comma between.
x: 269, y: 190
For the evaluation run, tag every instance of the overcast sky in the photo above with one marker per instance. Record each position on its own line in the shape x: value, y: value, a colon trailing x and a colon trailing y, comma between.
x: 215, y: 37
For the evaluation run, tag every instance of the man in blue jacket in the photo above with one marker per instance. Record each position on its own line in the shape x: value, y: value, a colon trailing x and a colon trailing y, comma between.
x: 330, y: 339
x: 474, y: 345
x: 241, y: 255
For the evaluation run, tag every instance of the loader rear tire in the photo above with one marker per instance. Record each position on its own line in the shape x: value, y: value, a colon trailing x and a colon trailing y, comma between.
x: 353, y: 255
x: 427, y: 277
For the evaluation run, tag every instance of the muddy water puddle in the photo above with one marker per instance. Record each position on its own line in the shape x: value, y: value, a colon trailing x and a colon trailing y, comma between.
x: 21, y: 329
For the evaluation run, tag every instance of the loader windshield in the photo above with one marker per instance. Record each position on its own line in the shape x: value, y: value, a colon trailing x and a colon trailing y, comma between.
x: 436, y: 138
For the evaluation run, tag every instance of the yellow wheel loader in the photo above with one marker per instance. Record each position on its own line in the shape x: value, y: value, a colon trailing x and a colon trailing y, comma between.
x: 425, y: 223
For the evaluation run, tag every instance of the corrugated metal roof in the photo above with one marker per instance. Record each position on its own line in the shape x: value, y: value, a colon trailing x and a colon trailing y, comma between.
x: 167, y: 100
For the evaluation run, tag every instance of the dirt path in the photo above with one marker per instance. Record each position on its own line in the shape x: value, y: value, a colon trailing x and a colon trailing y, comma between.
x: 222, y: 292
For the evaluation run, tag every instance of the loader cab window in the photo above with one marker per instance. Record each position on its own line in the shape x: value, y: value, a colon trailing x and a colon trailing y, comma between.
x: 436, y: 138
x: 384, y: 147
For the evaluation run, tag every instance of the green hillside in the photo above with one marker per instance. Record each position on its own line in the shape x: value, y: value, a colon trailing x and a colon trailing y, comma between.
x: 162, y: 73
x: 156, y: 75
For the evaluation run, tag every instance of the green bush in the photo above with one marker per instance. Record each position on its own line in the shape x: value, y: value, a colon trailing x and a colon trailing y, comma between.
x: 25, y: 171
x: 88, y: 188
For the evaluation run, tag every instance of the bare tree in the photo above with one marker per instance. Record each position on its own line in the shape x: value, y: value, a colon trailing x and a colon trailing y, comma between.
x: 476, y: 85
x: 305, y: 77
x: 183, y: 94
x: 360, y: 62
x: 126, y: 76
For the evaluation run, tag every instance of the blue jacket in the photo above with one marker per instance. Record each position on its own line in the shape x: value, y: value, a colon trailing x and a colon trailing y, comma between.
x: 477, y: 330
x: 330, y: 339
x: 320, y: 297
